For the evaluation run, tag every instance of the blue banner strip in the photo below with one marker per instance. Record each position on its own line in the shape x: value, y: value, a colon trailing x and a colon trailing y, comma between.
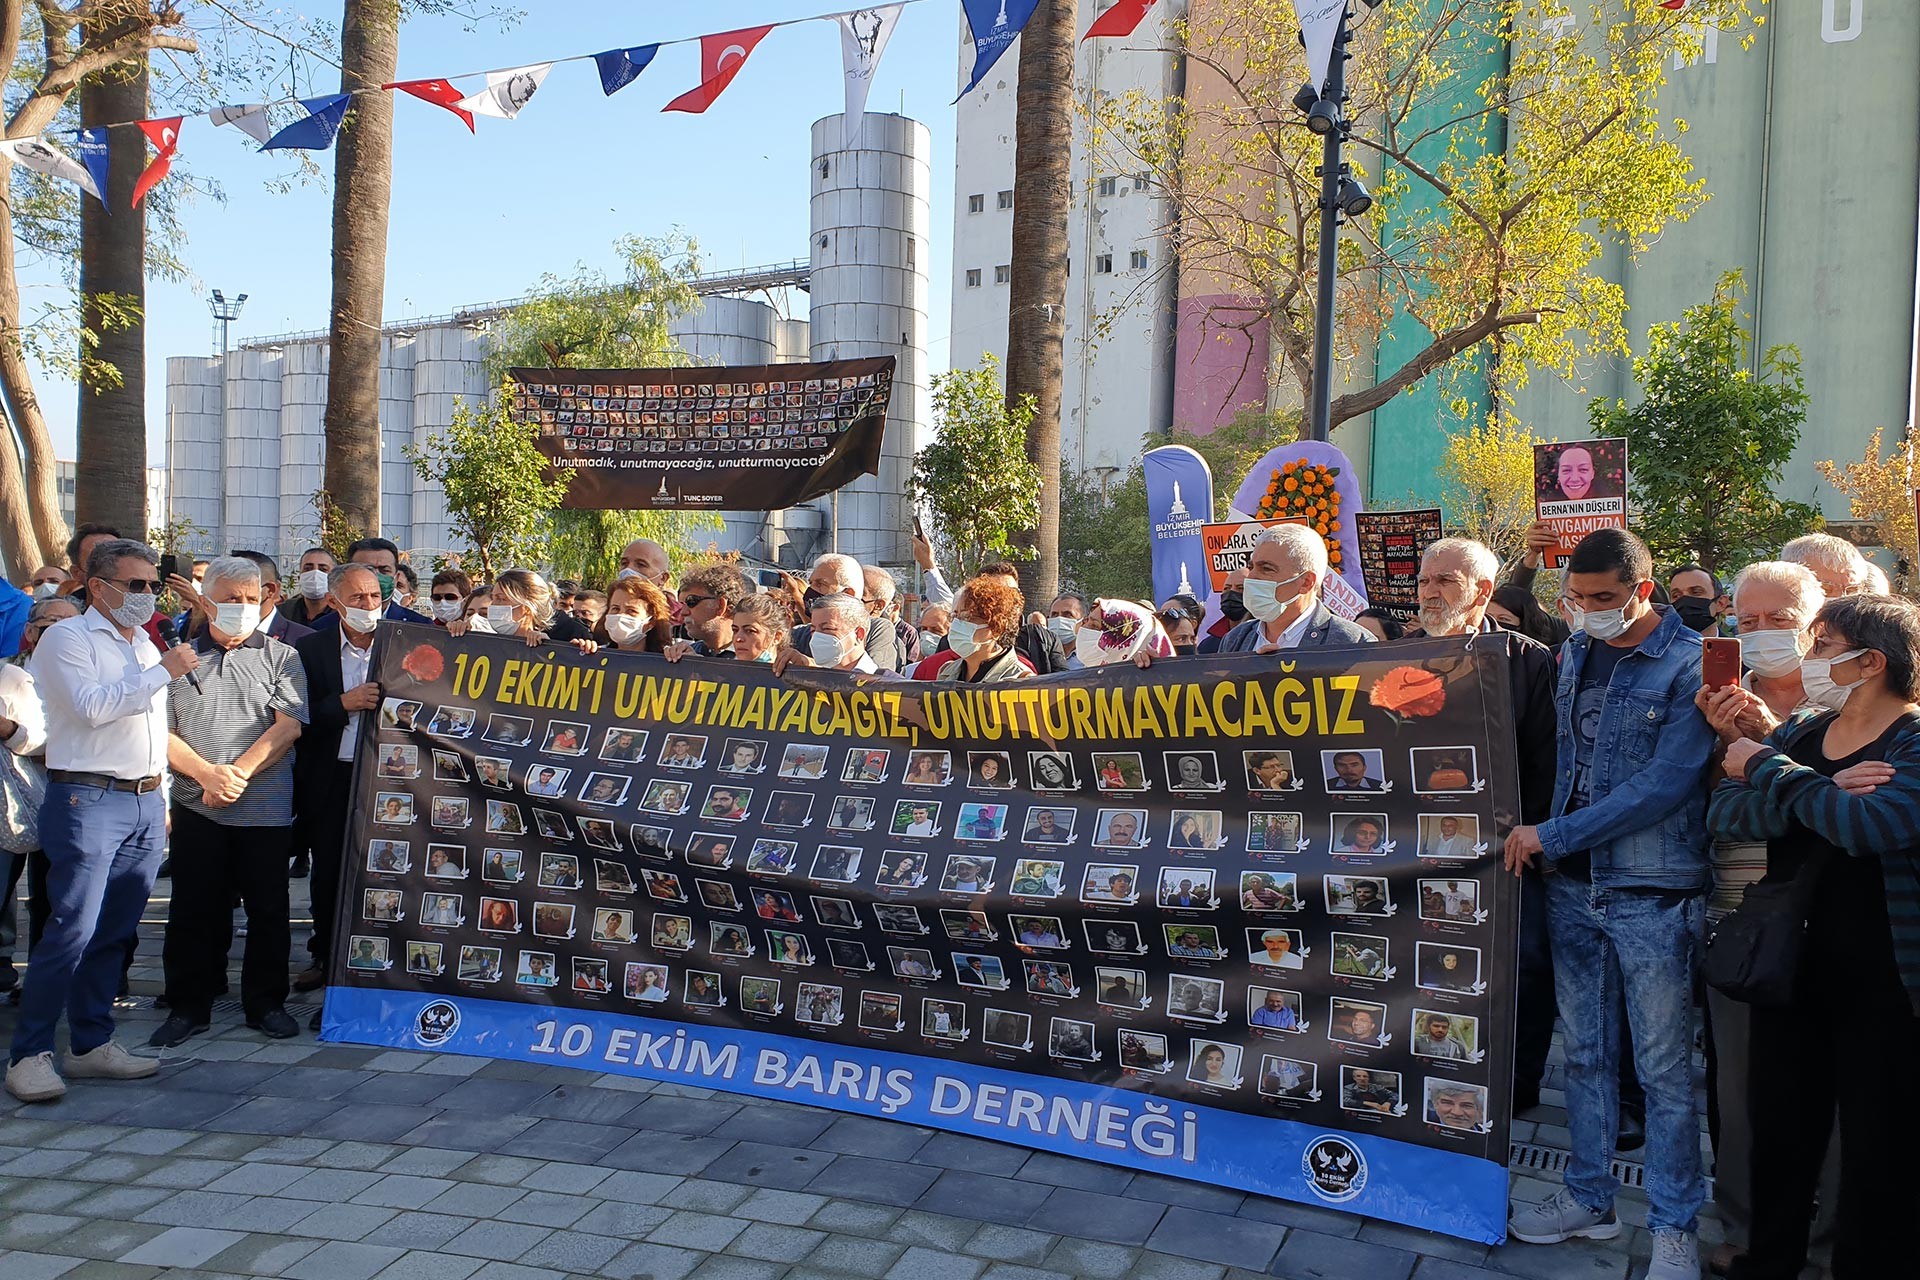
x: 1436, y: 1190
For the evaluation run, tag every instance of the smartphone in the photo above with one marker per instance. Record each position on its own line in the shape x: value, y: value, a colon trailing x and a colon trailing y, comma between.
x: 169, y: 565
x: 1719, y: 662
x: 770, y: 578
x: 918, y: 531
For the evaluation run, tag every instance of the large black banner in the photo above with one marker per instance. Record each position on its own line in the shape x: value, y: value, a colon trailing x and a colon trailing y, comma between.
x: 1231, y: 919
x: 743, y: 438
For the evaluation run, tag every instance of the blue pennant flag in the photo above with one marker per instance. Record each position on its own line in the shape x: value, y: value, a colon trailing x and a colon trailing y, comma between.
x: 93, y: 154
x: 318, y: 130
x: 995, y: 24
x: 621, y: 67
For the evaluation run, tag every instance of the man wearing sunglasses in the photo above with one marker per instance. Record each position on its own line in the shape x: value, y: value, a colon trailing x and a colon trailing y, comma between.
x: 104, y: 686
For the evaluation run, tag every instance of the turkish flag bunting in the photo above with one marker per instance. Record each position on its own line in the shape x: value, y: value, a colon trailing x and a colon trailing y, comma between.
x: 721, y: 58
x: 1119, y: 20
x: 165, y: 136
x: 438, y: 92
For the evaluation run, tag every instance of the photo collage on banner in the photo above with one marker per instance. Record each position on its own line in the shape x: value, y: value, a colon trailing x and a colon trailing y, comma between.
x: 755, y: 437
x: 1268, y: 900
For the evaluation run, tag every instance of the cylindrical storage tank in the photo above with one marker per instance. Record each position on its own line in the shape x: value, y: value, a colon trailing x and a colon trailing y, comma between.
x: 396, y: 433
x: 196, y: 400
x: 448, y: 369
x: 303, y: 449
x: 868, y: 240
x: 251, y: 461
x: 728, y: 331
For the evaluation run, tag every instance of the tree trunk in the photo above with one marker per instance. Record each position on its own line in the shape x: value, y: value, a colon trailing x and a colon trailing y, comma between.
x: 1037, y: 294
x: 362, y: 186
x: 110, y: 484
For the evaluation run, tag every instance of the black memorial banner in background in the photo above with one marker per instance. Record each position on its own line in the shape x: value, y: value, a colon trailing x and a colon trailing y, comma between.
x: 744, y: 438
x: 1391, y: 544
x: 1227, y: 918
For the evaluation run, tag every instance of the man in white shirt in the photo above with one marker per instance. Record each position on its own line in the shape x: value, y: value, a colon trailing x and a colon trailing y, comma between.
x: 104, y: 823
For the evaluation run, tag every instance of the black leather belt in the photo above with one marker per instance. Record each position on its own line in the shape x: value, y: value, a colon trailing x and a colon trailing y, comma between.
x: 139, y: 786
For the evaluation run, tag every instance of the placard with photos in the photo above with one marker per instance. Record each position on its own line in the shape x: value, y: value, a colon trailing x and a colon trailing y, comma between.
x: 756, y: 437
x: 1270, y: 897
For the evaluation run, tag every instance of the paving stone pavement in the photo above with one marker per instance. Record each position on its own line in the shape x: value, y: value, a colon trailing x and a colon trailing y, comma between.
x: 250, y: 1157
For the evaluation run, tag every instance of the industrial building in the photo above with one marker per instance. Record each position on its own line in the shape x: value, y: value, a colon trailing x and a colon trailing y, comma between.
x: 246, y: 441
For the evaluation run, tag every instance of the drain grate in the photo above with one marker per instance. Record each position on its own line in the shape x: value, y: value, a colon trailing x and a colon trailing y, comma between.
x: 1528, y: 1157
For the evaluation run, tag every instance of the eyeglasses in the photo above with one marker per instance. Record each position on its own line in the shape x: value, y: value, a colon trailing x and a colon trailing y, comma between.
x: 137, y: 585
x: 448, y: 599
x: 694, y: 602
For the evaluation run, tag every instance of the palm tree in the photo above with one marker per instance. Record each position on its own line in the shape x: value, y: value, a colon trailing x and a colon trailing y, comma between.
x: 1036, y: 303
x: 362, y: 187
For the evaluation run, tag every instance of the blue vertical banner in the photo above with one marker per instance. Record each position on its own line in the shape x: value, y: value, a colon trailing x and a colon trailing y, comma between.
x: 995, y: 25
x: 1179, y: 503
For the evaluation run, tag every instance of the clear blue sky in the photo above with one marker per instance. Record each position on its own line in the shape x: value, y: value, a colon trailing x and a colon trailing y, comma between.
x: 476, y: 218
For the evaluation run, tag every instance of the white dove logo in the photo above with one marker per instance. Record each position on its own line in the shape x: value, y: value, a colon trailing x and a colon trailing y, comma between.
x: 1334, y: 1168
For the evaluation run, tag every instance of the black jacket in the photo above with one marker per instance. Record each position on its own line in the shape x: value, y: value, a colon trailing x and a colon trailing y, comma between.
x: 319, y: 746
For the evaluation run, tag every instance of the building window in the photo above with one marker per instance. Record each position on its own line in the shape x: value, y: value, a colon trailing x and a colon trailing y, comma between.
x: 1004, y: 200
x: 976, y: 204
x: 1107, y: 186
x: 1139, y: 260
x: 1103, y: 264
x: 1139, y: 182
x: 1003, y: 274
x: 973, y: 277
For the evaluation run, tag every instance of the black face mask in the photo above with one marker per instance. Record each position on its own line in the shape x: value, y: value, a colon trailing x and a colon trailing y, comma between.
x: 812, y: 598
x: 1185, y: 650
x: 1695, y: 612
x: 1233, y: 606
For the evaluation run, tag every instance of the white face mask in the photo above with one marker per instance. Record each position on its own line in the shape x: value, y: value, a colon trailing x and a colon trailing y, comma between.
x: 478, y: 622
x: 135, y: 609
x: 1063, y: 628
x: 501, y: 619
x: 237, y: 620
x: 45, y: 590
x: 360, y: 620
x: 448, y: 610
x: 964, y: 637
x: 1262, y: 597
x: 1086, y: 647
x: 930, y: 642
x: 1599, y: 624
x: 1770, y: 653
x: 313, y: 583
x: 828, y: 651
x: 624, y: 628
x: 1816, y: 677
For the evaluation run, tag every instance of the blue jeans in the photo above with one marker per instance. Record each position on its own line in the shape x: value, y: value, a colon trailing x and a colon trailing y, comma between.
x: 103, y: 848
x: 1640, y: 943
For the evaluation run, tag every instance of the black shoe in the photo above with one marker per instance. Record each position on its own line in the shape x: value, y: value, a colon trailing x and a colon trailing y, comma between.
x: 275, y: 1024
x: 166, y: 869
x: 302, y: 868
x: 313, y: 1023
x: 310, y: 979
x: 1633, y: 1132
x: 176, y: 1030
x: 161, y: 1002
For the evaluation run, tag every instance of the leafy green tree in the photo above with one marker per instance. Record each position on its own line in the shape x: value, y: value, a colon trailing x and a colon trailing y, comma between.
x: 591, y: 320
x: 495, y: 477
x: 975, y: 478
x: 1707, y: 443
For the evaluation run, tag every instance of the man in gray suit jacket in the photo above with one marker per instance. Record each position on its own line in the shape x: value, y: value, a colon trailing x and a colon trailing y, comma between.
x: 1282, y: 595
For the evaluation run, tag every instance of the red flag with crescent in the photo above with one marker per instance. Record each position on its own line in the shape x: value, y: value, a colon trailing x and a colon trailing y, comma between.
x: 721, y: 58
x: 439, y: 92
x: 165, y: 136
x: 1119, y: 20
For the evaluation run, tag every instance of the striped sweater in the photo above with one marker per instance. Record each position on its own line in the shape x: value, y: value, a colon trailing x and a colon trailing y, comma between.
x: 1778, y: 793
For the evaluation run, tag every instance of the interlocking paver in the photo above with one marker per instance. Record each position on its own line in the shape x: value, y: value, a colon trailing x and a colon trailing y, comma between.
x: 789, y: 1208
x: 575, y: 1252
x: 1215, y: 1237
x: 262, y: 1255
x: 728, y: 1267
x: 1095, y: 1216
x: 402, y: 1191
x: 348, y: 1222
x: 850, y: 1253
x: 1009, y: 1244
x: 38, y: 1266
x: 688, y: 1229
x: 931, y: 1264
x: 561, y: 1175
x: 474, y: 1199
x: 983, y: 1197
x: 637, y: 1188
x: 706, y: 1195
x: 874, y: 1138
x: 763, y: 1165
x: 182, y: 1247
x: 418, y: 1230
x: 777, y: 1243
x: 1308, y: 1255
x: 421, y: 1265
x: 339, y: 1260
x: 548, y: 1209
x: 505, y: 1241
x: 106, y: 1239
x: 564, y: 1140
x: 883, y: 1181
x: 654, y: 1262
x: 633, y: 1221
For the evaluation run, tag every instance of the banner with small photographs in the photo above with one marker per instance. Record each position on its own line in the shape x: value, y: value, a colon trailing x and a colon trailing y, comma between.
x: 1224, y: 919
x: 1391, y: 544
x: 743, y: 438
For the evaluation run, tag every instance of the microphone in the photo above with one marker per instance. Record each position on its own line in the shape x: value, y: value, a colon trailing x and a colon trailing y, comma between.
x: 171, y: 635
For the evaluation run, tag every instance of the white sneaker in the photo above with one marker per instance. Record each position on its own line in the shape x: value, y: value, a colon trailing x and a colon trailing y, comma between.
x: 1676, y: 1256
x: 1560, y: 1217
x: 110, y: 1062
x: 33, y: 1079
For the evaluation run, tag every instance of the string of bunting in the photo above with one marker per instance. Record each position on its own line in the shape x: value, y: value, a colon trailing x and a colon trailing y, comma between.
x: 864, y: 33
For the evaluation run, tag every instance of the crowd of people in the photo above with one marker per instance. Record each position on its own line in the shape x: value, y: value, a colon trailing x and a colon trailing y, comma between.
x: 1650, y: 802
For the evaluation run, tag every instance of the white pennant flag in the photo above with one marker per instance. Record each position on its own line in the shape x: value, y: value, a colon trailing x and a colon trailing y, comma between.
x: 507, y: 91
x: 42, y: 156
x: 250, y: 119
x: 1319, y: 24
x: 863, y: 38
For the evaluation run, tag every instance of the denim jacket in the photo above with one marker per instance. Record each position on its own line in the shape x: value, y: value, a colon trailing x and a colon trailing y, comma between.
x: 1644, y: 823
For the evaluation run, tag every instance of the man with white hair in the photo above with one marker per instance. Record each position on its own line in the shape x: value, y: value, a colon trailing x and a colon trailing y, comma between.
x: 878, y: 591
x: 1456, y: 582
x: 836, y: 638
x: 1282, y: 595
x: 836, y: 574
x: 1837, y: 563
x: 229, y: 745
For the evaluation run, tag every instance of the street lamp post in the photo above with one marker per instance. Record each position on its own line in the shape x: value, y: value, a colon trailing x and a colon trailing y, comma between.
x: 225, y: 311
x: 1340, y: 193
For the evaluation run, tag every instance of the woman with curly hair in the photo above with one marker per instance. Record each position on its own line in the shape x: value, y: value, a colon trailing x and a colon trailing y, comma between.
x: 986, y: 617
